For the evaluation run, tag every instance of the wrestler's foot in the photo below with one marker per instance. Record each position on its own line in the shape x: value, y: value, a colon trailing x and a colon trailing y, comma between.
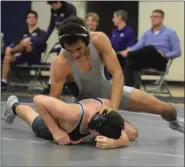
x: 177, y: 125
x: 8, y: 115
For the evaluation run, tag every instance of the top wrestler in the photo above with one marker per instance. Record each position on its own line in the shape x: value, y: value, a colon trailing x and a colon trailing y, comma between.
x: 82, y: 63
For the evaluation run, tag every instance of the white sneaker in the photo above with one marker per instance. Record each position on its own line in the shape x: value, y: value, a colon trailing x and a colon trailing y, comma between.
x: 8, y: 116
x: 177, y: 125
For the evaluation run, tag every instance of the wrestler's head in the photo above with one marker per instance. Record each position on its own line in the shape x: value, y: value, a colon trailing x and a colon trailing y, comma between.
x: 31, y: 18
x: 108, y: 123
x: 74, y: 36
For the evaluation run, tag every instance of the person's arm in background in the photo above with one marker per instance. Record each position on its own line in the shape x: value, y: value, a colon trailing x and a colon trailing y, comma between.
x: 130, y: 41
x: 175, y: 46
x: 71, y: 10
x: 138, y: 45
x: 50, y: 27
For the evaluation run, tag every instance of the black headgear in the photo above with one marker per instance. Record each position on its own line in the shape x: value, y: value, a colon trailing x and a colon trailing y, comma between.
x: 84, y: 35
x: 98, y: 121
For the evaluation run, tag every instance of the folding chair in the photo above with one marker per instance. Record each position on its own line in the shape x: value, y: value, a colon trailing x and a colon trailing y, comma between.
x: 161, y: 84
x: 20, y: 75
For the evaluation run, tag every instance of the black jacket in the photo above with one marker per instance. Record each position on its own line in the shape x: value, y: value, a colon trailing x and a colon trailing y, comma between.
x: 59, y: 15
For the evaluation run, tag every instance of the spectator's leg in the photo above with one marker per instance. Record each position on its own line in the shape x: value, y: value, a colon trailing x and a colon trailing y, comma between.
x: 23, y: 46
x: 147, y: 57
x: 8, y: 59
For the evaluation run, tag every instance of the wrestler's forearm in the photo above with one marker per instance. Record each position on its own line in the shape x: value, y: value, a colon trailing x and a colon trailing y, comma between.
x: 117, y: 90
x: 50, y: 122
x: 123, y: 141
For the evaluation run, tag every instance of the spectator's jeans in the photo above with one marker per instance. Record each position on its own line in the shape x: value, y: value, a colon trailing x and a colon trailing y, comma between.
x: 146, y: 57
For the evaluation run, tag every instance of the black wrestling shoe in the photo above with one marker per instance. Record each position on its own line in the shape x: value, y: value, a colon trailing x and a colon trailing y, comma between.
x: 4, y: 86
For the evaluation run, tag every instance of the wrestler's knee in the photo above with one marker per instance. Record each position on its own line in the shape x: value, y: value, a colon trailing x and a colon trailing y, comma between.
x: 8, y: 59
x: 38, y: 99
x: 8, y: 50
x: 25, y: 42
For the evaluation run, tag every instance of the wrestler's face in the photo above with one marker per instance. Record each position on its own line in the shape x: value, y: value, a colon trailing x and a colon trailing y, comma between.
x: 116, y: 19
x: 31, y: 19
x: 156, y: 19
x: 91, y: 23
x: 76, y: 50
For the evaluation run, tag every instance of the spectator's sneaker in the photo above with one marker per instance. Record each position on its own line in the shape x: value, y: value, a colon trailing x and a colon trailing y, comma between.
x: 4, y: 86
x: 177, y: 125
x: 8, y: 116
x: 46, y: 91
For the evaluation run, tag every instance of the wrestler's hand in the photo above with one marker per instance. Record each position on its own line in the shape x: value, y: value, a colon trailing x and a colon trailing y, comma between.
x: 61, y: 138
x: 76, y: 142
x: 104, y: 142
x: 124, y: 53
x: 104, y: 107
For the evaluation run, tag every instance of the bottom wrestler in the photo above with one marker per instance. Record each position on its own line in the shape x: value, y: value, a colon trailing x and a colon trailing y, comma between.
x: 68, y: 123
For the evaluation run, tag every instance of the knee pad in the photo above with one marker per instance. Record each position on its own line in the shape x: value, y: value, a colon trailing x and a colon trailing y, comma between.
x: 40, y: 129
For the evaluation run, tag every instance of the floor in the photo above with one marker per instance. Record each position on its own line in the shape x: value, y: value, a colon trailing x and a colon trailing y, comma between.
x: 157, y: 145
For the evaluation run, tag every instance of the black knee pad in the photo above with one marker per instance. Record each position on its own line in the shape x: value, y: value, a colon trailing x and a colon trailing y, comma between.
x: 73, y: 87
x: 40, y: 129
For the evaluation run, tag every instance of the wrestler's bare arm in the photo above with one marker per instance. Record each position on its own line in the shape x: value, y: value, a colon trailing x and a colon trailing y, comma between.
x: 123, y: 141
x: 60, y: 70
x: 110, y: 59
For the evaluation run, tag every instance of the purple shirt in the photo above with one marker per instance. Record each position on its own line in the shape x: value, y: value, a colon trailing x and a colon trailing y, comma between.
x: 166, y: 41
x: 122, y: 39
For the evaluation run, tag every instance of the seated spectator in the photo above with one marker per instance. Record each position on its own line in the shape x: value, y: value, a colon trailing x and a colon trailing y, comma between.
x: 92, y: 20
x: 28, y: 50
x: 153, y: 50
x: 122, y: 37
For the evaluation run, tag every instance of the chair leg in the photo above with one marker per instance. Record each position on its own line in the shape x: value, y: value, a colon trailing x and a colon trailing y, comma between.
x: 167, y: 88
x: 161, y: 82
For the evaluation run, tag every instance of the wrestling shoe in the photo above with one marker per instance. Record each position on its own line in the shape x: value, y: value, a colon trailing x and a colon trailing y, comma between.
x: 177, y: 125
x: 8, y: 116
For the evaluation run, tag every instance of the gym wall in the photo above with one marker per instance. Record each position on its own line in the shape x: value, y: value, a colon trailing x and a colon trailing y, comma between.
x: 174, y: 18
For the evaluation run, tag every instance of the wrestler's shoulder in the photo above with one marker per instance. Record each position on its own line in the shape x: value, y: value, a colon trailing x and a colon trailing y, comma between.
x: 96, y: 36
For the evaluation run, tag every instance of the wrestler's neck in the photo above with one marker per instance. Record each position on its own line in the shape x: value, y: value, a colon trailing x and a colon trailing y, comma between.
x: 121, y: 25
x: 84, y: 56
x: 32, y: 28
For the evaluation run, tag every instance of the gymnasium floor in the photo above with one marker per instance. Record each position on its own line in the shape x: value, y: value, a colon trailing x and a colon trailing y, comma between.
x: 157, y: 145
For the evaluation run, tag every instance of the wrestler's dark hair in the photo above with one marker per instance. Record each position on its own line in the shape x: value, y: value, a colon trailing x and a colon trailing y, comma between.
x: 108, y: 123
x: 72, y: 30
x: 32, y: 12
